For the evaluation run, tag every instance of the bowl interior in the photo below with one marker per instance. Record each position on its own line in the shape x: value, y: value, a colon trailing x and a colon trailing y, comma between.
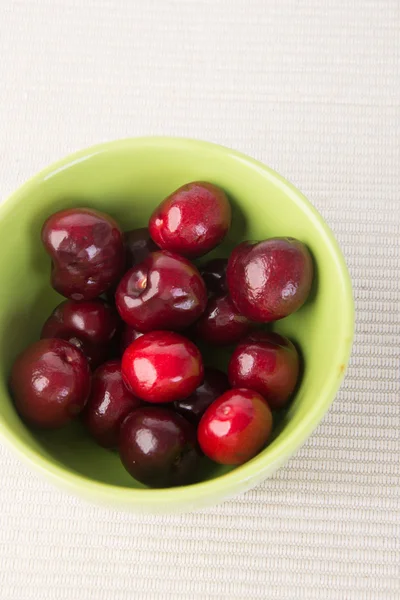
x: 127, y: 179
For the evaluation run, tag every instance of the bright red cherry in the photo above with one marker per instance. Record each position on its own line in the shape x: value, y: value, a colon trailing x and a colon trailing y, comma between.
x: 192, y: 220
x: 267, y: 363
x: 50, y: 383
x: 269, y: 280
x: 235, y: 427
x: 87, y: 252
x: 162, y: 366
x: 138, y: 245
x: 159, y: 448
x: 165, y: 291
x: 89, y: 325
x: 214, y: 384
x: 221, y: 323
x: 214, y: 274
x: 109, y: 403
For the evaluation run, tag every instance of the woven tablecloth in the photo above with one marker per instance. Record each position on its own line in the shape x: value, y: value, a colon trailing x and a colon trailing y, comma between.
x: 312, y: 89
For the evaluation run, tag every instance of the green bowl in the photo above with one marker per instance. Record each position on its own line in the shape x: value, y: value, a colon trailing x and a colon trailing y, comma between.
x: 128, y: 179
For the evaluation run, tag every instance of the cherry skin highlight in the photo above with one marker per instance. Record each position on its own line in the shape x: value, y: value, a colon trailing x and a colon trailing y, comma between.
x: 109, y: 403
x: 88, y: 325
x: 269, y: 280
x: 162, y: 366
x: 87, y: 252
x: 192, y: 220
x: 50, y: 383
x: 165, y: 291
x: 158, y: 447
x: 267, y: 363
x: 221, y: 323
x: 235, y: 427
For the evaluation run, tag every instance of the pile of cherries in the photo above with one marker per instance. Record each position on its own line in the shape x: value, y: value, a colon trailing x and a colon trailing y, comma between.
x: 127, y: 362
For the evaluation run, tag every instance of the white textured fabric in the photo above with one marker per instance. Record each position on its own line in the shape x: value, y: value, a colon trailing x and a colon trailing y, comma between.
x: 312, y: 89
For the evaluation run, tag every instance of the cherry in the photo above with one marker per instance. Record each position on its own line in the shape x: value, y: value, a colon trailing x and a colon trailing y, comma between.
x: 109, y: 403
x: 158, y: 448
x: 89, y: 325
x: 269, y: 280
x: 87, y: 252
x: 165, y: 291
x: 138, y: 245
x: 50, y: 383
x: 267, y: 363
x: 192, y: 220
x: 162, y: 366
x: 221, y: 323
x: 214, y: 274
x: 214, y: 384
x: 128, y: 335
x: 235, y: 427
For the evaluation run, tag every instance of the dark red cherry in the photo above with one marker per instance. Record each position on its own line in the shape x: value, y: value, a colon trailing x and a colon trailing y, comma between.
x: 192, y: 220
x: 128, y: 335
x: 165, y: 291
x: 138, y: 245
x: 267, y: 363
x: 87, y: 252
x: 158, y: 447
x: 50, y: 383
x: 162, y: 366
x: 109, y: 403
x: 214, y: 274
x: 269, y: 280
x: 221, y: 323
x: 214, y: 384
x: 235, y: 427
x: 89, y: 325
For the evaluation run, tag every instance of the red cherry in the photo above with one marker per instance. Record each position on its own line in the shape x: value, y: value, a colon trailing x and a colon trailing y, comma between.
x: 235, y: 427
x: 165, y: 291
x: 269, y: 280
x: 267, y: 363
x: 162, y: 366
x: 89, y: 325
x: 87, y: 251
x: 50, y: 383
x: 214, y: 384
x: 221, y: 323
x: 158, y: 448
x: 192, y: 220
x: 109, y: 403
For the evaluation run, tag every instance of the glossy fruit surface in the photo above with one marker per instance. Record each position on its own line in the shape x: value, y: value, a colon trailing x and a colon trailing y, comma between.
x: 214, y: 274
x: 89, y: 325
x: 158, y: 447
x: 269, y: 280
x: 87, y: 252
x: 214, y: 384
x: 221, y: 323
x: 109, y: 403
x: 50, y: 383
x: 138, y: 245
x: 192, y: 220
x: 162, y: 366
x: 267, y: 363
x: 165, y: 291
x: 235, y: 427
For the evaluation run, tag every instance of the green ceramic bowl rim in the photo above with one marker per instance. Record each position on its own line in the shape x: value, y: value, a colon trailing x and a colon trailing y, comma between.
x: 280, y: 450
